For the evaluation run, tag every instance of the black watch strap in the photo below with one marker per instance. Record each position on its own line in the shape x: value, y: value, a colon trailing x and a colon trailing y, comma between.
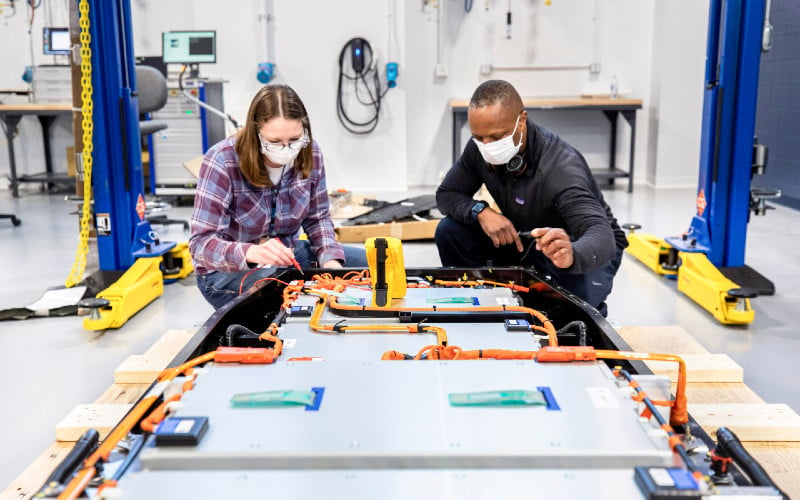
x: 477, y: 208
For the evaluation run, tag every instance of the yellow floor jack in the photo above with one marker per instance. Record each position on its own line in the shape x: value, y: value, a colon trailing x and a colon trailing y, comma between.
x: 156, y: 263
x: 697, y: 277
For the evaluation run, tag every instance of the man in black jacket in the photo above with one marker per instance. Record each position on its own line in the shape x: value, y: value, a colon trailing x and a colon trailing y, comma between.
x: 543, y: 188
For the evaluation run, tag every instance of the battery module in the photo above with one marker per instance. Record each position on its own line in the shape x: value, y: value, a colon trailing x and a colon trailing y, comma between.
x: 517, y: 325
x: 182, y: 431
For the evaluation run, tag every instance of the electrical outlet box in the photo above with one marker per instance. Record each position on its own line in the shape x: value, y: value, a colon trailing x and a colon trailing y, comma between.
x: 440, y: 70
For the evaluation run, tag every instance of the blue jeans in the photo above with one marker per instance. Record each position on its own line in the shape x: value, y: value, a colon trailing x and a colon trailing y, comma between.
x: 219, y: 288
x: 466, y: 245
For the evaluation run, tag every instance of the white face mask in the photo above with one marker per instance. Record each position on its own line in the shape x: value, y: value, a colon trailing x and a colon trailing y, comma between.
x: 501, y: 151
x: 282, y: 157
x: 286, y: 154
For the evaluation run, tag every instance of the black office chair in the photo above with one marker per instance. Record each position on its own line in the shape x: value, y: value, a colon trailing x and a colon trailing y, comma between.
x: 13, y: 218
x: 152, y: 96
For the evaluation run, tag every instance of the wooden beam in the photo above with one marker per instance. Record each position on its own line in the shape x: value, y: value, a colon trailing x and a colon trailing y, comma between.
x: 750, y: 422
x: 661, y: 339
x: 701, y: 368
x: 102, y: 417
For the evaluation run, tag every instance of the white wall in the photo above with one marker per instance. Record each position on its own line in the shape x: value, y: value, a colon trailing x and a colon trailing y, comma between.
x: 676, y: 108
x: 412, y: 144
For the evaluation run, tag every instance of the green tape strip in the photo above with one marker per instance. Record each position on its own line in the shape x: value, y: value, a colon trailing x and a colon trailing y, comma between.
x: 272, y: 399
x: 497, y: 398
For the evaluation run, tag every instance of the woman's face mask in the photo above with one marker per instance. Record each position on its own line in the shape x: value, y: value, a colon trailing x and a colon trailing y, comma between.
x: 282, y: 157
x: 501, y: 151
x: 283, y: 154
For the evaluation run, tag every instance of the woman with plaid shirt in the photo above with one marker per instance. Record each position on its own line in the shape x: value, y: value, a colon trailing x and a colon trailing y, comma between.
x: 256, y: 190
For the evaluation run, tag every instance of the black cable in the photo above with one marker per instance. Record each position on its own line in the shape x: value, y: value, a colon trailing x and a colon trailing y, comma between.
x: 372, y: 89
x: 580, y: 326
x: 467, y: 5
x: 729, y: 445
x: 235, y: 331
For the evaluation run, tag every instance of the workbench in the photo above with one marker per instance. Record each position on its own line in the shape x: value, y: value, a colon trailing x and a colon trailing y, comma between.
x: 611, y: 108
x: 11, y: 114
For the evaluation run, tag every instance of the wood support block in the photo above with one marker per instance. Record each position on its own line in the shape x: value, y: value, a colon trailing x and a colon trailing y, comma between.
x: 661, y: 339
x: 101, y: 417
x: 701, y: 368
x: 140, y: 369
x: 751, y: 422
x: 145, y: 368
x: 170, y: 344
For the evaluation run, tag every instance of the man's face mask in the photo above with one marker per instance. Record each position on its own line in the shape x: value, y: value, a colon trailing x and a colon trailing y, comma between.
x: 501, y: 151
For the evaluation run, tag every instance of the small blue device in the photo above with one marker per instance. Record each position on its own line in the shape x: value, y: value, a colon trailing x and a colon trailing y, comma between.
x: 391, y: 74
x: 265, y: 72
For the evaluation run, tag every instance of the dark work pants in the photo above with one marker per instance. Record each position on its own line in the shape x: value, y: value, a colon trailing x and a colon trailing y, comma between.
x: 466, y: 245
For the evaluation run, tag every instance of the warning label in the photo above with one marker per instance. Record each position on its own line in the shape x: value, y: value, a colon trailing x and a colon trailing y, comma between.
x: 103, y: 224
x: 701, y: 203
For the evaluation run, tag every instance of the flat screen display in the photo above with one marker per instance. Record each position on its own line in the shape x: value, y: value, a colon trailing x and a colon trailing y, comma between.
x: 189, y: 47
x: 55, y: 41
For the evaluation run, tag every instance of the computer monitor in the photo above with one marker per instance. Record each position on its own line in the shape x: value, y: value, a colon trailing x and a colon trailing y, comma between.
x: 189, y: 47
x: 55, y: 41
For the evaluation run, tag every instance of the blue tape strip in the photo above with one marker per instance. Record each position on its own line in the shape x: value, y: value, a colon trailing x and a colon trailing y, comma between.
x: 319, y: 392
x: 552, y: 405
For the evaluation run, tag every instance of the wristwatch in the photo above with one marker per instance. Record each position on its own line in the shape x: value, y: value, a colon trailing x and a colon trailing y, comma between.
x: 477, y: 208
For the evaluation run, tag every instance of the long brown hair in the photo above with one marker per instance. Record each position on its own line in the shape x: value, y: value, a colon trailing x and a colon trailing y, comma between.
x: 271, y: 101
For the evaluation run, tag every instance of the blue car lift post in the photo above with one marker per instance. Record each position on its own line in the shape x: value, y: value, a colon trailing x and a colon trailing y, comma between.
x: 127, y: 247
x: 708, y: 259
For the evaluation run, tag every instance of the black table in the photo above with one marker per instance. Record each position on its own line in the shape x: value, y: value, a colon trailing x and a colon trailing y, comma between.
x: 611, y: 108
x: 11, y: 114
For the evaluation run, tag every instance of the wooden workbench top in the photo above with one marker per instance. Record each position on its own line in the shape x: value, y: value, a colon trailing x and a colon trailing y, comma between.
x: 27, y: 107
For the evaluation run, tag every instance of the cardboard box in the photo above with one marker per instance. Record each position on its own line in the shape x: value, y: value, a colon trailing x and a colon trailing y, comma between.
x: 71, y: 168
x: 413, y: 230
x: 193, y: 166
x: 352, y: 206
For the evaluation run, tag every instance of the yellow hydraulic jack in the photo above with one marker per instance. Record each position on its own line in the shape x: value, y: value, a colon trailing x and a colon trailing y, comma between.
x: 697, y: 277
x: 141, y: 284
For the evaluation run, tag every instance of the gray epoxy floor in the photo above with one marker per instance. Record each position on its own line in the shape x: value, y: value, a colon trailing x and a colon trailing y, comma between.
x: 51, y: 365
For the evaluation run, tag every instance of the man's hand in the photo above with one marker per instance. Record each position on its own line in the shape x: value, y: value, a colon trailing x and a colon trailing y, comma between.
x: 555, y: 244
x: 332, y: 264
x: 499, y: 229
x: 270, y: 252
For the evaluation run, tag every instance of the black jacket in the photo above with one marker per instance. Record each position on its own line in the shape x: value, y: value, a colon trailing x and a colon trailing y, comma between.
x: 556, y: 189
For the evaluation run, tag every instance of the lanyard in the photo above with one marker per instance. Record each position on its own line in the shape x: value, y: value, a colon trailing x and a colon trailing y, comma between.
x: 274, y: 209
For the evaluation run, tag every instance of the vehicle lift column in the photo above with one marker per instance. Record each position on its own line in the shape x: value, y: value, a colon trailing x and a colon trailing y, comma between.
x: 125, y: 240
x: 708, y: 259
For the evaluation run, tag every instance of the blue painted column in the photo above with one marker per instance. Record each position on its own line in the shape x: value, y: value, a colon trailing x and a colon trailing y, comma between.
x: 733, y: 53
x: 117, y: 178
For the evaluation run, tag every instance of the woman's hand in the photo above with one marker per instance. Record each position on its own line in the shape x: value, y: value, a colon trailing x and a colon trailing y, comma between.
x: 270, y: 252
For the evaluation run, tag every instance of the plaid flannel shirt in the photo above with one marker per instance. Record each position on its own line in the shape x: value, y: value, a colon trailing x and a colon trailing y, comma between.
x: 230, y: 214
